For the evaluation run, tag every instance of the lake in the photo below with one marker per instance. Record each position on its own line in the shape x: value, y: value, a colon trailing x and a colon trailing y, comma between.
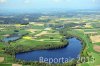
x: 7, y: 39
x: 72, y: 51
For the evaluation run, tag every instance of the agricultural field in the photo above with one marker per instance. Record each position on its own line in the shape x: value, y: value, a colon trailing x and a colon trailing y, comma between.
x: 36, y: 36
x: 93, y: 49
x: 49, y: 32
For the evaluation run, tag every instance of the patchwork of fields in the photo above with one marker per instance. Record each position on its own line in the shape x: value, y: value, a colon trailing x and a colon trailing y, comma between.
x: 42, y: 35
x: 37, y: 36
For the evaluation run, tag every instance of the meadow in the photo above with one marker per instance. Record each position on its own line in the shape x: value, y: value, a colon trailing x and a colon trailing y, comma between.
x: 50, y: 35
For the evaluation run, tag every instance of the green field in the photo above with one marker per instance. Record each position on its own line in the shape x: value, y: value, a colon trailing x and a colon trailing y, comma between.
x: 37, y: 37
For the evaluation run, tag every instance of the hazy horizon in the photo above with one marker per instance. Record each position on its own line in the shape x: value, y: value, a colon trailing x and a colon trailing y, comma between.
x: 47, y: 5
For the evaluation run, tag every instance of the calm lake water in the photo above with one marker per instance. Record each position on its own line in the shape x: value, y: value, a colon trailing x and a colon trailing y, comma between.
x: 71, y: 51
x: 10, y: 39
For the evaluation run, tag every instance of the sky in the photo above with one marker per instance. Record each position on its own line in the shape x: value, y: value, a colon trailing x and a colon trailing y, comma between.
x: 49, y: 5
